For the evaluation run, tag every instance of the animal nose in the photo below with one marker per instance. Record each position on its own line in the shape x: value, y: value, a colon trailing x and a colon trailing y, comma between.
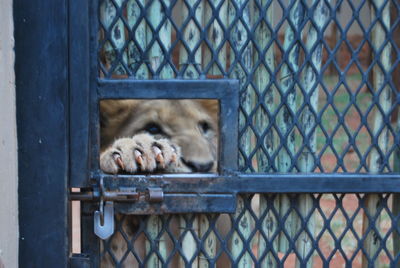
x: 199, y: 167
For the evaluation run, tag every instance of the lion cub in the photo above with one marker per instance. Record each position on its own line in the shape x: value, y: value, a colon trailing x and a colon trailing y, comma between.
x: 146, y: 136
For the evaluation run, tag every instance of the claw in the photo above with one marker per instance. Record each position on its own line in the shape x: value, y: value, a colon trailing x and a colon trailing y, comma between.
x: 138, y: 158
x: 159, y: 156
x: 160, y: 159
x: 118, y: 160
x: 173, y: 158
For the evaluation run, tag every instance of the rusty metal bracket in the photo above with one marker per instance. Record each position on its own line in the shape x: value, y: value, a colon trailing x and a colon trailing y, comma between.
x: 146, y: 195
x: 123, y: 194
x: 104, y: 217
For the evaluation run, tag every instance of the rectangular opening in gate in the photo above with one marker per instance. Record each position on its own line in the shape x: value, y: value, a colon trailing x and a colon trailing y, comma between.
x: 159, y: 136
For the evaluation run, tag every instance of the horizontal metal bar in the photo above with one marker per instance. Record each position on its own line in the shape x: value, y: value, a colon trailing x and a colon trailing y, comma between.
x: 167, y: 89
x: 83, y: 196
x: 260, y: 183
x: 169, y: 203
x: 119, y: 196
x: 182, y: 203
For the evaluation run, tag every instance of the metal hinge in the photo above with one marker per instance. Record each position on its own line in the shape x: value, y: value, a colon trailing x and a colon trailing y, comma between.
x: 104, y: 217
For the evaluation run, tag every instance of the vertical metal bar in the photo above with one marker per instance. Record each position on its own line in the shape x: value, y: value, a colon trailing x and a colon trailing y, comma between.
x: 396, y: 198
x: 308, y: 121
x: 41, y: 77
x: 380, y: 11
x: 79, y: 94
x: 90, y: 243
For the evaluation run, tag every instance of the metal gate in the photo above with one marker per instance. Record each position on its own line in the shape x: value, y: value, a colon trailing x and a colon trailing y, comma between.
x: 313, y: 179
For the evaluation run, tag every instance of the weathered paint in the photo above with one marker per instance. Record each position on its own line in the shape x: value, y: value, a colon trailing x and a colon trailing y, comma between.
x: 8, y: 142
x: 379, y: 128
x: 309, y: 83
x: 289, y: 70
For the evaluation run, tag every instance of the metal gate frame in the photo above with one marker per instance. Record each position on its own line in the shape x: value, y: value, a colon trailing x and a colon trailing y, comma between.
x: 41, y: 68
x: 42, y: 83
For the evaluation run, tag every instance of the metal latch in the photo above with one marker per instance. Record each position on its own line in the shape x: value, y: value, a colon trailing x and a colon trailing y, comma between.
x: 104, y: 217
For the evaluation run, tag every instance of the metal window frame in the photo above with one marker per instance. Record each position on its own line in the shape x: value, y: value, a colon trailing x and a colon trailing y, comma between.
x: 225, y: 91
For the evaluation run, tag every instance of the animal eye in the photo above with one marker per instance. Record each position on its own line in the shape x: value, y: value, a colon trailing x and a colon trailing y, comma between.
x: 153, y: 128
x: 204, y: 126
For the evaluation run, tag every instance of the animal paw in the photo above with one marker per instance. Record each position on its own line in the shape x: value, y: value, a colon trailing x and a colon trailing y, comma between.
x: 141, y: 153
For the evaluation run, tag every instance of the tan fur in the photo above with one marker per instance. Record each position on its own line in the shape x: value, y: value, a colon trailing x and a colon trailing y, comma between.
x: 181, y: 122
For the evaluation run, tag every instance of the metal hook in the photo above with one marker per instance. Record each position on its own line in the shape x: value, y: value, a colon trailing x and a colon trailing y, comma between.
x: 104, y: 228
x: 104, y: 217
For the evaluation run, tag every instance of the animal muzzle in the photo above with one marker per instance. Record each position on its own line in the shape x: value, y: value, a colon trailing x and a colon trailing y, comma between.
x: 197, y: 154
x: 198, y: 167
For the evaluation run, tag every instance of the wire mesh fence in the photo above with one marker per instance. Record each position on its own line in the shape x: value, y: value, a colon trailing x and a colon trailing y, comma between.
x: 318, y: 94
x: 264, y: 237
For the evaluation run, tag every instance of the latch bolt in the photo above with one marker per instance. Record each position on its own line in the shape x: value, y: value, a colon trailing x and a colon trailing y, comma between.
x: 104, y: 217
x: 154, y: 195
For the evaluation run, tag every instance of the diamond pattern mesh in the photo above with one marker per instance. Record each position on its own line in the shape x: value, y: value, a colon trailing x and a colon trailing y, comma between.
x: 316, y: 94
x: 313, y: 98
x: 333, y: 231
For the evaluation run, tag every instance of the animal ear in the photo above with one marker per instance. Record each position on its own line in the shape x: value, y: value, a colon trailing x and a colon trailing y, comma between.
x: 211, y: 106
